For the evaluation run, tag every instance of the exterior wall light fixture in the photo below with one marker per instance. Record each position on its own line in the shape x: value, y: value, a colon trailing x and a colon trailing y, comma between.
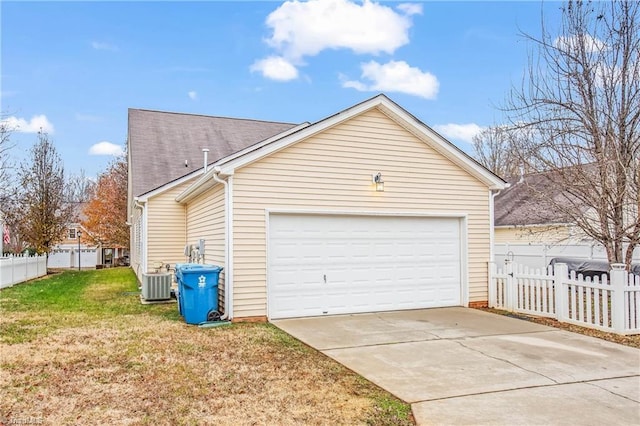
x: 377, y: 179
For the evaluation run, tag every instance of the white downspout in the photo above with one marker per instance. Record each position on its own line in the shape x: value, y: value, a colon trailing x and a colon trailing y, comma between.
x: 492, y: 197
x: 228, y: 238
x: 143, y: 234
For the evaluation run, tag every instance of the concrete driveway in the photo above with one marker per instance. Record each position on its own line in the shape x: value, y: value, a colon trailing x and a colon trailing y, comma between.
x: 463, y: 366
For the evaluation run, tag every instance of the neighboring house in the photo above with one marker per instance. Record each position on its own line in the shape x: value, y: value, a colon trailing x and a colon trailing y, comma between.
x: 532, y: 233
x: 294, y: 216
x: 519, y: 217
x: 65, y: 254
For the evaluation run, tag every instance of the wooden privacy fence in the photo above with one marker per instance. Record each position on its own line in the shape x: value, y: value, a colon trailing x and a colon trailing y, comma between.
x: 605, y: 303
x: 20, y: 268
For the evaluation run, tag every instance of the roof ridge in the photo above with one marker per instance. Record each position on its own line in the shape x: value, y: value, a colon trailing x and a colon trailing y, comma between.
x: 209, y: 116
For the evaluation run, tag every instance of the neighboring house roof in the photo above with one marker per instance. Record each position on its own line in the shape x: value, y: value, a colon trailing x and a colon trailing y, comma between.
x: 260, y: 150
x: 160, y: 143
x: 519, y: 204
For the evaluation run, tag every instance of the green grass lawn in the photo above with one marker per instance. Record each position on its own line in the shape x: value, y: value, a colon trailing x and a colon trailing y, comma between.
x: 72, y: 298
x: 79, y: 347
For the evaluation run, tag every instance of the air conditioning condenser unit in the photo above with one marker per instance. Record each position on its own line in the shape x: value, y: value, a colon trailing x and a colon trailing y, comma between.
x: 156, y: 286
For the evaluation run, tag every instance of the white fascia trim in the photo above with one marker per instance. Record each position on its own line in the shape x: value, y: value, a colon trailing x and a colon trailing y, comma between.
x: 258, y: 146
x: 228, y: 166
x: 198, y: 187
x: 206, y: 181
x: 443, y: 146
x: 144, y: 197
x: 395, y: 112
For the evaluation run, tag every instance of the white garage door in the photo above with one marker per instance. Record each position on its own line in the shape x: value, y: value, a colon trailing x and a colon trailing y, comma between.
x: 329, y: 264
x: 66, y: 257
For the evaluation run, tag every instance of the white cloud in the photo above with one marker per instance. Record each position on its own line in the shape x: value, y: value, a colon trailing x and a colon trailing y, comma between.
x: 275, y: 68
x: 395, y: 76
x: 305, y: 29
x: 106, y: 148
x: 37, y: 123
x: 410, y: 8
x: 193, y: 95
x: 591, y: 43
x: 99, y: 45
x: 300, y: 29
x: 461, y: 132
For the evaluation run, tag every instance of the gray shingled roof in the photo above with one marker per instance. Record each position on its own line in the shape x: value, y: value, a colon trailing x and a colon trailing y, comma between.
x: 160, y: 142
x: 521, y: 204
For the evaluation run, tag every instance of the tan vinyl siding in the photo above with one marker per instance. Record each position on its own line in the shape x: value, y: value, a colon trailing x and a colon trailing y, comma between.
x: 332, y: 172
x: 205, y: 219
x: 166, y: 227
x: 532, y: 234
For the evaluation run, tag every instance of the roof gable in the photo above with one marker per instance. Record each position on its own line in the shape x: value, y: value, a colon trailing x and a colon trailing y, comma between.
x: 164, y: 146
x: 394, y: 112
x: 255, y: 152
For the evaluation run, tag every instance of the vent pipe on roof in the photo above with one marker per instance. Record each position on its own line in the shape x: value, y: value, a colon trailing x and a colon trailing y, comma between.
x: 205, y: 151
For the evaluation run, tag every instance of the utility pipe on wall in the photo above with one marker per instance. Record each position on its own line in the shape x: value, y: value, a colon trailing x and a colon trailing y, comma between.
x: 228, y: 267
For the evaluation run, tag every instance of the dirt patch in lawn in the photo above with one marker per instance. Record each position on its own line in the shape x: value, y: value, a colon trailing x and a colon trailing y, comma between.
x: 633, y: 341
x: 147, y: 368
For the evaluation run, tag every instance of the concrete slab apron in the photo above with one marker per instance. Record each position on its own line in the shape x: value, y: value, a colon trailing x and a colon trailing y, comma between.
x: 463, y: 366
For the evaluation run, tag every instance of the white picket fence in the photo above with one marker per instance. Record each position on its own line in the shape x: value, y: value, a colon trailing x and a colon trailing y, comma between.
x: 538, y: 255
x: 17, y: 269
x: 608, y: 304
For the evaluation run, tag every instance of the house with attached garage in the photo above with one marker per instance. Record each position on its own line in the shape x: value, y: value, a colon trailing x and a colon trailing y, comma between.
x: 366, y: 210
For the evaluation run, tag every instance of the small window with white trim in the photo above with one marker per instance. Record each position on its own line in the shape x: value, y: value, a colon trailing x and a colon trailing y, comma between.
x: 72, y: 233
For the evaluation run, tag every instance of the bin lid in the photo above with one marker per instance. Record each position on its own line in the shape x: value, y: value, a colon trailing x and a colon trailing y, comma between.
x: 201, y: 269
x: 190, y: 265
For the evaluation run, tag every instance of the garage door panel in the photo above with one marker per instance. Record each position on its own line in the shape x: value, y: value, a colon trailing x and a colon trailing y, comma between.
x: 370, y: 264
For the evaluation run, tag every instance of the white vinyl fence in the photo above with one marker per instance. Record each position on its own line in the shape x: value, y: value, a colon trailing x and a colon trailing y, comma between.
x: 608, y: 304
x: 539, y: 255
x: 20, y: 268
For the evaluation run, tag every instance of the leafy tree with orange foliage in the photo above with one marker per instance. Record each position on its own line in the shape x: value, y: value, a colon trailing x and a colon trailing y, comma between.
x: 106, y: 212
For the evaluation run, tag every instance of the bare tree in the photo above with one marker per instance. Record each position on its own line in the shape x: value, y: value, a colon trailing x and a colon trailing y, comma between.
x: 43, y: 210
x: 496, y: 148
x: 80, y: 188
x: 581, y: 98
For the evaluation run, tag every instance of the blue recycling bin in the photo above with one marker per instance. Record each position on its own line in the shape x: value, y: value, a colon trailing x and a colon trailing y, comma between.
x: 179, y: 293
x: 198, y: 291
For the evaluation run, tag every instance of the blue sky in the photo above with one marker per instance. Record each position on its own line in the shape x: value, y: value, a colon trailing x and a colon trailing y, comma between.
x: 73, y: 68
